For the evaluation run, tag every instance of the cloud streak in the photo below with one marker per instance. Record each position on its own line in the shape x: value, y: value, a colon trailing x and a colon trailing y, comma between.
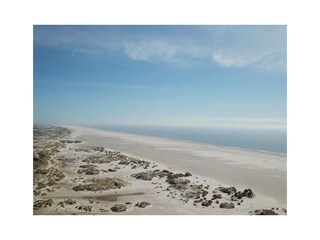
x: 226, y: 46
x: 238, y: 59
x: 151, y: 50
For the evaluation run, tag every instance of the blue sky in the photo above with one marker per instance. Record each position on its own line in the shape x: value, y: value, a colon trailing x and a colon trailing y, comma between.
x: 162, y: 75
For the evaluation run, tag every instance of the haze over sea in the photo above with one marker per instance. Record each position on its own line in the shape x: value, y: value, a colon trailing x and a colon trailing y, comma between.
x: 269, y: 139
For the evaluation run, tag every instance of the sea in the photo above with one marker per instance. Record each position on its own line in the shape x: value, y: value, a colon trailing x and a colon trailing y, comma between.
x: 265, y: 139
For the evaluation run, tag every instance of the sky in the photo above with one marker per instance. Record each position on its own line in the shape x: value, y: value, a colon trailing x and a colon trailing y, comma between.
x: 160, y: 75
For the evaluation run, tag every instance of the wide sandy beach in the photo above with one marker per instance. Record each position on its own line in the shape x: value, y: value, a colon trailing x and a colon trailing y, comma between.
x: 211, y: 166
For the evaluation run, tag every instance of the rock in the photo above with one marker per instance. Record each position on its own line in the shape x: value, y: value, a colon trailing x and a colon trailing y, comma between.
x: 239, y: 195
x: 142, y: 204
x: 85, y: 208
x: 103, y: 210
x: 99, y: 149
x: 147, y: 176
x: 112, y: 170
x: 229, y: 190
x: 92, y: 172
x: 175, y: 175
x: 177, y: 183
x: 264, y: 212
x: 119, y: 208
x: 206, y: 203
x: 248, y: 193
x: 226, y: 205
x: 216, y: 196
x: 69, y: 202
x: 99, y: 184
x: 187, y: 174
x: 192, y: 195
x: 42, y: 203
x: 234, y: 198
x: 70, y: 141
x: 174, y: 180
x: 204, y: 193
x: 124, y: 162
x: 89, y: 169
x: 196, y: 187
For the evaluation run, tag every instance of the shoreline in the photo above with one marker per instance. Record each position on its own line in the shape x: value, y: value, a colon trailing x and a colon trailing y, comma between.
x: 228, y: 163
x: 182, y: 140
x: 166, y: 163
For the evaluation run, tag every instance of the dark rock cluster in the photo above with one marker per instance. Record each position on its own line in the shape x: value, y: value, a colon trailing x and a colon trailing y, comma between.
x: 264, y: 212
x: 89, y: 169
x: 226, y: 205
x: 142, y: 204
x: 99, y: 184
x: 119, y: 208
x: 43, y: 203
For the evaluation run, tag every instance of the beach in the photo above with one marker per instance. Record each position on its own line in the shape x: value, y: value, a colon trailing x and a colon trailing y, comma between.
x: 168, y: 176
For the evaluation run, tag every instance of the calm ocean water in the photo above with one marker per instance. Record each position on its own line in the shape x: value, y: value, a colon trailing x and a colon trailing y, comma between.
x: 263, y: 139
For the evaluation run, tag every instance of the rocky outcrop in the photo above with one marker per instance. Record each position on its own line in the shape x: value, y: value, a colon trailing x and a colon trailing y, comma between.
x: 70, y: 141
x: 264, y: 212
x: 228, y: 190
x: 216, y: 196
x: 119, y: 208
x: 43, y: 203
x: 248, y: 193
x: 98, y: 149
x: 206, y: 203
x: 226, y: 205
x: 178, y: 183
x: 98, y: 184
x: 85, y: 208
x: 147, y: 176
x: 89, y: 169
x: 239, y: 195
x: 67, y: 202
x: 142, y: 204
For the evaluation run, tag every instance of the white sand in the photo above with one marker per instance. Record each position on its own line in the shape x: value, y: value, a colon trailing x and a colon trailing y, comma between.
x: 264, y: 173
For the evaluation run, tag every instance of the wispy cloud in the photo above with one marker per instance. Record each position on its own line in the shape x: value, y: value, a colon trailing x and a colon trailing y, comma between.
x: 238, y: 59
x: 227, y: 46
x: 158, y: 50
